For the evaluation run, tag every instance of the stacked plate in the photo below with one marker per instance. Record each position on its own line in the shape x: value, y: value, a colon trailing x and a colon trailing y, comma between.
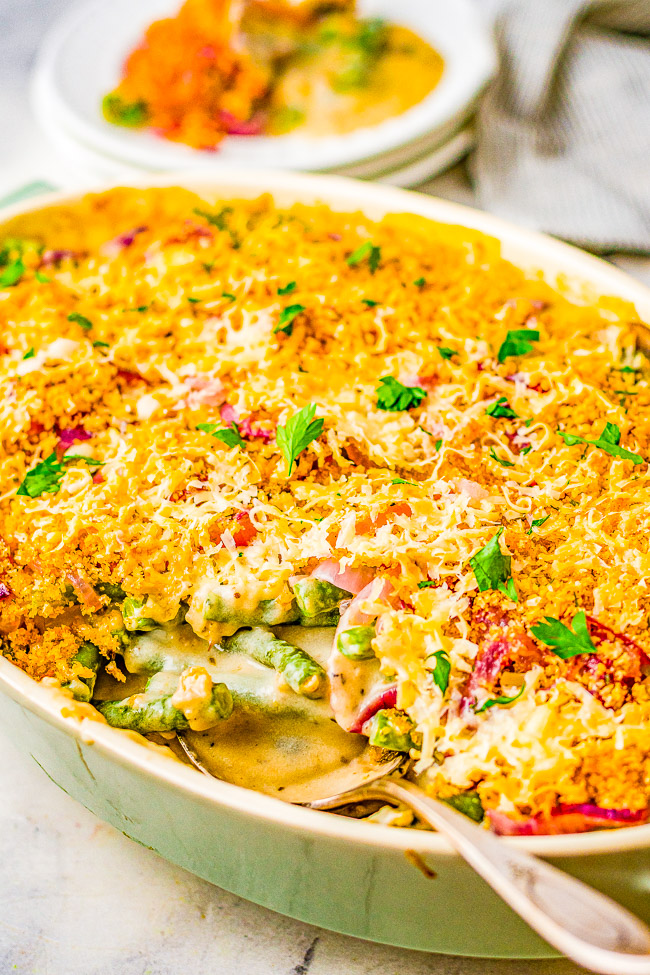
x: 81, y: 60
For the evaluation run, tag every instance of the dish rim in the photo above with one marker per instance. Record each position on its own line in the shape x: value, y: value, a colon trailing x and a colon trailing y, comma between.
x: 466, y: 76
x: 343, y: 195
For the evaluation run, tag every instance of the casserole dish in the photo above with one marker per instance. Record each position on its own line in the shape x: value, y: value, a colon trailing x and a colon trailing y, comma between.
x: 346, y: 875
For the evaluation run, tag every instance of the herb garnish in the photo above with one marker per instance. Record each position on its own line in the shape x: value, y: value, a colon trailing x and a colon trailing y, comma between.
x: 298, y: 432
x: 228, y: 435
x: 119, y: 112
x: 468, y: 803
x: 400, y: 480
x: 288, y: 288
x: 608, y: 441
x: 506, y: 699
x: 393, y: 396
x: 565, y: 643
x: 518, y: 342
x: 492, y: 568
x: 501, y: 408
x: 100, y: 345
x: 29, y: 354
x: 226, y: 294
x: 446, y: 352
x: 367, y: 249
x: 438, y: 444
x: 287, y: 316
x: 81, y: 320
x: 441, y: 670
x: 12, y: 273
x: 425, y: 585
x: 46, y: 477
x: 504, y: 463
x: 219, y: 221
x: 420, y: 282
x: 537, y: 523
x: 43, y: 278
x: 369, y: 302
x: 194, y: 301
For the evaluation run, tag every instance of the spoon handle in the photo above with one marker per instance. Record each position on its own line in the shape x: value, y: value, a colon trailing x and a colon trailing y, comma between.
x: 582, y: 923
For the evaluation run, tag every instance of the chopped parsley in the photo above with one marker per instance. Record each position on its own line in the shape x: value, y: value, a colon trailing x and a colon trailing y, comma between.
x: 81, y: 320
x: 500, y: 701
x: 438, y: 444
x: 420, y: 282
x: 393, y: 396
x: 400, y: 480
x: 229, y: 296
x: 608, y: 441
x: 12, y: 273
x: 504, y: 463
x: 369, y: 302
x: 46, y: 476
x: 441, y: 670
x: 285, y: 324
x: 288, y: 288
x: 366, y: 250
x: 100, y: 345
x: 537, y: 523
x: 228, y: 435
x: 518, y: 342
x: 42, y: 278
x: 220, y: 221
x: 501, y: 408
x: 492, y: 568
x: 425, y: 585
x: 29, y: 354
x: 565, y: 642
x: 194, y: 301
x: 446, y: 352
x: 298, y: 432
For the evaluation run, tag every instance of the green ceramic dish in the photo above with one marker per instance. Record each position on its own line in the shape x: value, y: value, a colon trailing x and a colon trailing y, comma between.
x: 358, y: 878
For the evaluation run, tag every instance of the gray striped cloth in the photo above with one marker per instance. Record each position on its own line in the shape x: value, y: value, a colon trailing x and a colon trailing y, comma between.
x: 564, y: 133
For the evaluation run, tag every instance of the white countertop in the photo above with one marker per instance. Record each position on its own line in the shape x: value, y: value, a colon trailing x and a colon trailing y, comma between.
x: 78, y: 898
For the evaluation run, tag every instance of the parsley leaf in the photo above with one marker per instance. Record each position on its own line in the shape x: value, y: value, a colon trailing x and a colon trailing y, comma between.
x: 537, y: 523
x: 226, y: 294
x: 441, y: 670
x: 298, y: 432
x: 81, y: 320
x: 420, y: 282
x: 12, y: 273
x: 367, y: 249
x: 504, y: 463
x: 194, y: 301
x: 228, y: 435
x: 491, y: 567
x: 501, y: 408
x: 438, y: 444
x: 508, y: 589
x: 608, y: 441
x: 29, y: 354
x: 393, y: 396
x: 369, y: 302
x: 219, y: 220
x: 287, y: 316
x: 119, y: 112
x: 425, y: 585
x: 506, y: 699
x: 43, y: 278
x: 446, y: 352
x: 400, y: 480
x: 288, y: 288
x: 565, y: 643
x: 45, y: 478
x: 100, y: 345
x: 518, y: 342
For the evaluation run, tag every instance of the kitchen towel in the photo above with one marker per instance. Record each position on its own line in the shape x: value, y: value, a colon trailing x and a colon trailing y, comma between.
x: 564, y: 132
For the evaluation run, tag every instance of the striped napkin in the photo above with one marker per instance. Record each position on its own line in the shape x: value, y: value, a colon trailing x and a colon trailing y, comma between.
x: 564, y: 133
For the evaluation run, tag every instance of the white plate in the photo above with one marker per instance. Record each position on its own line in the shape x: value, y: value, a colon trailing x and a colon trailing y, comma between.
x: 407, y: 167
x: 81, y: 61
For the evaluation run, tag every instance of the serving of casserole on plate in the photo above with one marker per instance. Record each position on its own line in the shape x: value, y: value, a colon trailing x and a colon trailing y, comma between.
x: 326, y: 455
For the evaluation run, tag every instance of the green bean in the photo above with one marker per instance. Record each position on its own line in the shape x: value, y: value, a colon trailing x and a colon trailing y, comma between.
x: 221, y: 607
x: 111, y: 589
x: 154, y: 711
x: 468, y: 803
x: 391, y: 729
x: 356, y: 643
x: 88, y: 657
x: 316, y: 599
x: 134, y: 618
x: 300, y: 671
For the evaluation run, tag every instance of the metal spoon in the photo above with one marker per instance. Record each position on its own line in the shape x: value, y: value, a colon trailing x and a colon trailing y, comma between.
x: 584, y: 925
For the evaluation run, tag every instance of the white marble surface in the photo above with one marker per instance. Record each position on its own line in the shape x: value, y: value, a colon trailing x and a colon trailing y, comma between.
x: 78, y: 898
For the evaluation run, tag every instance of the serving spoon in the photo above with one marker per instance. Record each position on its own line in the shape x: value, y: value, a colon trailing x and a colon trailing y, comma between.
x: 585, y: 925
